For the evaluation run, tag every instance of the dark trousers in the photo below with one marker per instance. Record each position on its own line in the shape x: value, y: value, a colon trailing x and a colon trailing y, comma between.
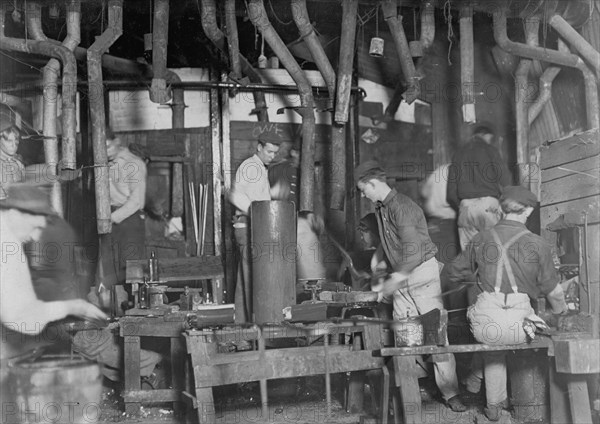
x: 243, y: 285
x: 128, y: 243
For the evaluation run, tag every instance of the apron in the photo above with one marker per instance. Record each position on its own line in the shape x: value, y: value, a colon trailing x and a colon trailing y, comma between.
x: 497, y: 318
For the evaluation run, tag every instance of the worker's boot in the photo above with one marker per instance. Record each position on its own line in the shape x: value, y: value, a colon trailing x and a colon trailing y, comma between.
x: 494, y: 411
x: 456, y: 404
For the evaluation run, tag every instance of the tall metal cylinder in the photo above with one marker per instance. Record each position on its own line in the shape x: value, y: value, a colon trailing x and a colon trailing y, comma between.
x: 273, y: 256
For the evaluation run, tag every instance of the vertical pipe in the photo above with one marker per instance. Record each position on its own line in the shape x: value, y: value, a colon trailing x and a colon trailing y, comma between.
x: 427, y: 24
x: 97, y: 112
x: 307, y: 32
x: 390, y: 14
x: 467, y: 63
x: 345, y: 63
x: 258, y: 16
x: 233, y: 42
x: 50, y: 106
x: 177, y: 121
x: 214, y: 34
x: 160, y: 39
x: 522, y: 102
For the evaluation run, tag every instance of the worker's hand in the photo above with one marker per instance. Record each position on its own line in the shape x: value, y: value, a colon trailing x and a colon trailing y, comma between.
x: 85, y: 310
x: 396, y: 280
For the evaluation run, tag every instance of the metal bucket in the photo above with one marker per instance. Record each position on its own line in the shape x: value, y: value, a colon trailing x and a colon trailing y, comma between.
x: 55, y: 389
x: 409, y: 332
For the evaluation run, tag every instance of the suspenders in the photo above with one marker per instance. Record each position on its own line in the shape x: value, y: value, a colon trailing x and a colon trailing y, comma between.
x: 504, y: 263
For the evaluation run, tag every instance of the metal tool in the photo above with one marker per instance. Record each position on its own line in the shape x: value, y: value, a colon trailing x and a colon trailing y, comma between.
x: 356, y: 274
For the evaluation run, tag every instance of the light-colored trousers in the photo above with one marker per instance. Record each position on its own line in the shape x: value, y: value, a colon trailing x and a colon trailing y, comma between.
x: 424, y: 294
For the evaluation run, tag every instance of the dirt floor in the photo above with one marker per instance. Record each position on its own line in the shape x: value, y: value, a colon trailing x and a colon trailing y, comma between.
x: 298, y: 401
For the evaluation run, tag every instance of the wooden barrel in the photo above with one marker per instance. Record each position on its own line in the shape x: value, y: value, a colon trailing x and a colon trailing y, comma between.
x: 57, y: 389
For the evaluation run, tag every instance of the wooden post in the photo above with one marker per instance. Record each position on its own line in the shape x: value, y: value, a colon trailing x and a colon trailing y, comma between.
x: 215, y: 125
x: 346, y: 61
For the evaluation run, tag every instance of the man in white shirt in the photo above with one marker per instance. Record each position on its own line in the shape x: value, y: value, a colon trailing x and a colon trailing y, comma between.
x: 127, y: 175
x: 251, y: 184
x: 23, y: 214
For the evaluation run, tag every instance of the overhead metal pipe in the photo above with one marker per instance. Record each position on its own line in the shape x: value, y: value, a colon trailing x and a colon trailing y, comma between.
x: 233, y: 41
x: 214, y: 34
x: 337, y: 187
x: 467, y: 63
x: 592, y: 108
x: 563, y: 58
x: 532, y: 26
x: 97, y: 114
x: 390, y: 14
x: 307, y: 33
x: 523, y: 50
x: 159, y: 92
x: 576, y: 40
x: 258, y: 16
x: 544, y: 92
x: 188, y: 85
x: 346, y: 60
x: 50, y: 78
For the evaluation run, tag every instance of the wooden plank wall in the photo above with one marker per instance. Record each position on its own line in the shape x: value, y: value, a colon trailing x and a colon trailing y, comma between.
x: 570, y: 186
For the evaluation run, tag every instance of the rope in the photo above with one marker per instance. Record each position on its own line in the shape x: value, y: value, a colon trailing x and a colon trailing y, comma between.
x: 448, y: 17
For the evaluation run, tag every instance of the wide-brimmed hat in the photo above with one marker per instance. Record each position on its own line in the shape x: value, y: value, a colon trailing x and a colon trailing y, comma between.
x: 26, y: 198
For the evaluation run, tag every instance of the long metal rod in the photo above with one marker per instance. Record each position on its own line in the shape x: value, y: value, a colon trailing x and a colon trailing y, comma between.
x: 189, y: 85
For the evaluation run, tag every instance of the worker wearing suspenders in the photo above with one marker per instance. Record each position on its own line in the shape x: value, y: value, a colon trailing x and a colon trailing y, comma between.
x: 513, y: 266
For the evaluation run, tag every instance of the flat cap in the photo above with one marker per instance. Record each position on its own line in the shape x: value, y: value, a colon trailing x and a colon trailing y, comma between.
x: 26, y: 198
x: 366, y: 168
x: 369, y: 223
x: 519, y: 194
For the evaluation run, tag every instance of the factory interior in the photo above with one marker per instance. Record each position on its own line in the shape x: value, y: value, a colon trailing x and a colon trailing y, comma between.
x: 259, y: 211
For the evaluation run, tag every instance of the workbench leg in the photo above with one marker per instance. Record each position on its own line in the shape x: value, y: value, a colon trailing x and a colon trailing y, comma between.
x: 408, y: 384
x: 356, y: 383
x: 385, y: 395
x: 579, y: 399
x: 131, y: 360
x: 206, y: 405
x: 178, y: 371
x: 559, y: 402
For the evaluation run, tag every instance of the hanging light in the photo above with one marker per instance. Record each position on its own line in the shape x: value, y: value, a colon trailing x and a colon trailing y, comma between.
x: 376, y: 47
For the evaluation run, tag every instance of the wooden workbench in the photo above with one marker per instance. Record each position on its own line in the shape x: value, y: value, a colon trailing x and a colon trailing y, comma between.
x: 132, y: 329
x: 211, y: 368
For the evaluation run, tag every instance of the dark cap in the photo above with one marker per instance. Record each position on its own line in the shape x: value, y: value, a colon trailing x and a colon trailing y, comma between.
x: 365, y: 169
x: 369, y: 223
x: 6, y: 121
x: 519, y: 194
x: 273, y: 137
x: 26, y: 198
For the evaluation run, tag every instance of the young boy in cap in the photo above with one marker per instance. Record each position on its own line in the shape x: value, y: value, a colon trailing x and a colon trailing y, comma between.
x: 514, y: 266
x: 406, y: 248
x: 251, y: 184
x: 12, y: 169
